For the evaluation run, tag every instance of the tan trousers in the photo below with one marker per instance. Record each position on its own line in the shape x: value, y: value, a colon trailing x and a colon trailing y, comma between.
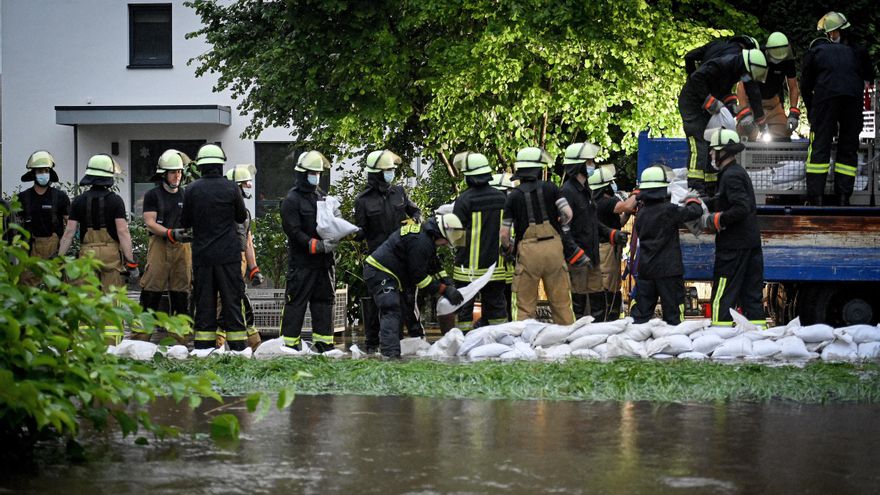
x: 609, y: 263
x: 539, y: 259
x: 169, y: 266
x: 105, y: 249
x: 41, y: 247
x: 776, y: 118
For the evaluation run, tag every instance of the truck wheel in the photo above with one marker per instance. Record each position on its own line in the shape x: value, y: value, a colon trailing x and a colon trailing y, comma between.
x: 838, y: 305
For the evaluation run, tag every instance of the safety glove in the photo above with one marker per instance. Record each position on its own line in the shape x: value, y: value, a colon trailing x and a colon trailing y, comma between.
x: 255, y: 276
x: 318, y: 246
x: 712, y: 105
x: 711, y: 222
x: 619, y: 238
x: 794, y: 118
x: 178, y: 235
x: 579, y: 258
x: 745, y: 117
x: 134, y: 273
x: 452, y: 295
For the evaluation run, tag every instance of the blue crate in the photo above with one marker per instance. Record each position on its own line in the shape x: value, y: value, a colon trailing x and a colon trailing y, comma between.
x: 672, y: 152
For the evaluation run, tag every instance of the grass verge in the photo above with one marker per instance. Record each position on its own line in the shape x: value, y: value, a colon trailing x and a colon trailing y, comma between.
x: 575, y: 379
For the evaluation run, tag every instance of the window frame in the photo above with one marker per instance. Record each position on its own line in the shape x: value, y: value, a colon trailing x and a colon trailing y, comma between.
x: 135, y: 8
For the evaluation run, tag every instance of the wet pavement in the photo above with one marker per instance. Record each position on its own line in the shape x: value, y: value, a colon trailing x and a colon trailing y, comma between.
x: 333, y: 444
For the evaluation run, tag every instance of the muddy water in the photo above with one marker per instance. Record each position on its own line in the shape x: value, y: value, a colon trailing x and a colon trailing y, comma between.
x: 351, y: 444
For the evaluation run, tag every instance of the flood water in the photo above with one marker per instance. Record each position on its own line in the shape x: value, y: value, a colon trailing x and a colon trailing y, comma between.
x: 352, y: 444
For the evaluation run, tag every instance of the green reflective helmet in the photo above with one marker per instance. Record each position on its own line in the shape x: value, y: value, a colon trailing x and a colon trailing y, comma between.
x: 502, y: 182
x: 725, y: 139
x: 653, y: 177
x: 380, y: 160
x: 602, y: 177
x: 819, y: 42
x: 469, y: 163
x: 102, y: 166
x: 579, y: 153
x: 210, y: 154
x: 778, y: 48
x: 312, y: 161
x: 532, y: 158
x: 451, y: 229
x: 172, y: 160
x: 756, y: 64
x: 242, y: 173
x: 832, y: 21
x: 41, y: 159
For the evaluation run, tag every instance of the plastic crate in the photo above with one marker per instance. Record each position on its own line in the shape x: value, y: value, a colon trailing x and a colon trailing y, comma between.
x: 868, y: 125
x: 268, y: 304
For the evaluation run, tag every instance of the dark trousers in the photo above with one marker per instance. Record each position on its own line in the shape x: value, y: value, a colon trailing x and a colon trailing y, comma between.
x: 840, y: 116
x: 670, y: 290
x: 739, y: 281
x: 208, y: 282
x: 408, y: 319
x: 701, y: 176
x: 493, y: 307
x: 387, y: 296
x: 314, y: 289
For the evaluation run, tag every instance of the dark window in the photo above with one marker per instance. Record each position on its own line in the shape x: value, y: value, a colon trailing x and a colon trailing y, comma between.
x: 149, y: 35
x: 145, y: 159
x: 275, y: 162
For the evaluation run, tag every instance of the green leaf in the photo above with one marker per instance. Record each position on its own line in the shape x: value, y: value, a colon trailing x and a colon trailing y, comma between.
x: 285, y: 397
x: 253, y: 401
x: 141, y: 441
x: 225, y: 427
x: 127, y: 423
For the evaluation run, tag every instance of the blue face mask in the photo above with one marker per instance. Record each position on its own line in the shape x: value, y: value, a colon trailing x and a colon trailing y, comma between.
x: 388, y: 175
x: 614, y: 186
x: 590, y: 170
x: 313, y: 179
x: 42, y: 179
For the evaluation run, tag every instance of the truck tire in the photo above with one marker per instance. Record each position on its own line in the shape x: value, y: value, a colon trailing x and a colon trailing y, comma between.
x: 839, y: 305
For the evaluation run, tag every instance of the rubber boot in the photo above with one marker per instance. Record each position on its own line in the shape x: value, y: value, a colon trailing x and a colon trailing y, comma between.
x: 179, y: 303
x: 843, y: 200
x: 614, y: 306
x: 580, y: 305
x: 597, y: 306
x: 321, y: 347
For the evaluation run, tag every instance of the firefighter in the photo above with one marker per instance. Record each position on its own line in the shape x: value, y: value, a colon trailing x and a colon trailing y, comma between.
x: 503, y: 183
x: 833, y: 78
x: 717, y: 48
x: 169, y: 255
x: 739, y: 261
x: 104, y: 232
x: 379, y: 211
x: 212, y: 206
x: 613, y: 214
x: 311, y: 281
x: 408, y: 259
x: 243, y: 176
x: 531, y: 210
x: 44, y: 209
x: 586, y: 277
x: 479, y: 208
x: 701, y: 97
x: 781, y: 76
x: 661, y: 271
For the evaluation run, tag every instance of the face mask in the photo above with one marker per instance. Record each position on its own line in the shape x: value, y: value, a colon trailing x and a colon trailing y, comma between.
x: 246, y: 194
x: 614, y: 186
x: 42, y: 179
x: 388, y: 175
x: 590, y: 170
x: 313, y: 179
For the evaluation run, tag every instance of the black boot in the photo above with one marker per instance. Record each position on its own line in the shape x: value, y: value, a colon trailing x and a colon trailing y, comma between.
x: 597, y: 306
x: 814, y: 200
x: 580, y: 305
x: 179, y: 303
x: 615, y: 301
x: 843, y: 200
x: 150, y: 299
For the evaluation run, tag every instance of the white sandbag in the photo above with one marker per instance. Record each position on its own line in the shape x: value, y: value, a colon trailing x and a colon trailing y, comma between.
x: 412, y: 345
x: 840, y: 351
x: 723, y: 332
x: 111, y: 349
x: 605, y: 328
x: 869, y: 350
x: 862, y: 334
x: 793, y: 348
x: 723, y: 118
x: 620, y: 346
x: 356, y: 352
x: 672, y: 345
x: 137, y: 350
x: 814, y: 333
x: 766, y: 348
x: 271, y: 349
x: 333, y: 353
x: 521, y: 351
x: 585, y: 354
x: 330, y: 224
x: 557, y: 352
x: 776, y: 332
x: 488, y: 351
x: 640, y: 332
x: 817, y: 346
x: 551, y: 335
x: 512, y: 328
x: 736, y: 347
x: 755, y: 335
x: 507, y: 340
x: 582, y: 321
x: 795, y: 323
x: 663, y: 356
x: 444, y: 307
x: 707, y: 344
x: 532, y: 327
x: 177, y: 352
x: 588, y: 342
x: 693, y: 355
x: 601, y: 350
x: 210, y: 352
x: 476, y: 338
x: 447, y: 345
x: 686, y: 327
x: 742, y: 323
x: 790, y: 171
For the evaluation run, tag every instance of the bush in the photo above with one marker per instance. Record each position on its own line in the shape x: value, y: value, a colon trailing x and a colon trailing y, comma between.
x: 270, y: 246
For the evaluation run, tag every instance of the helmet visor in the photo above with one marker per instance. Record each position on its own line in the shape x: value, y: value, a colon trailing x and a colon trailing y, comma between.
x: 455, y: 237
x: 778, y: 54
x: 759, y: 72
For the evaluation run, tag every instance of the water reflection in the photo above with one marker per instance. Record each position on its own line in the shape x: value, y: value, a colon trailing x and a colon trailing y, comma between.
x: 386, y: 444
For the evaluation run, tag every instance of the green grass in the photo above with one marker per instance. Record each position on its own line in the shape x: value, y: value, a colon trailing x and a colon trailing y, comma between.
x: 575, y: 379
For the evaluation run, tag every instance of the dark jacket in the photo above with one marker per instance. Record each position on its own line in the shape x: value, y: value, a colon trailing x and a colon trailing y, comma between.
x: 585, y: 227
x: 410, y: 255
x: 834, y: 69
x: 715, y: 77
x: 515, y: 207
x: 380, y: 209
x: 736, y: 200
x: 43, y: 215
x: 299, y: 218
x: 713, y: 49
x: 212, y: 206
x: 657, y: 223
x: 479, y: 208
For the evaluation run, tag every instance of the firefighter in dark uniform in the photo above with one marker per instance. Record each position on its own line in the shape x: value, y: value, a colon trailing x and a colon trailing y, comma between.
x: 586, y: 277
x: 702, y: 96
x: 243, y: 176
x: 744, y: 92
x: 408, y: 259
x: 739, y: 260
x: 479, y: 207
x: 379, y: 211
x: 503, y: 183
x: 612, y: 212
x: 169, y: 255
x: 311, y: 281
x: 99, y: 214
x: 781, y: 76
x: 212, y: 206
x: 833, y: 77
x: 661, y: 271
x: 44, y: 209
x: 536, y: 210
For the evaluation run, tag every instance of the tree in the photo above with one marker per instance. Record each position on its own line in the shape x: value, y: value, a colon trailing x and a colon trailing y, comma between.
x: 439, y: 76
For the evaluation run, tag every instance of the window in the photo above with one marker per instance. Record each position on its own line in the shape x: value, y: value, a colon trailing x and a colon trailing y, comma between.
x: 149, y: 36
x: 275, y: 162
x: 145, y: 159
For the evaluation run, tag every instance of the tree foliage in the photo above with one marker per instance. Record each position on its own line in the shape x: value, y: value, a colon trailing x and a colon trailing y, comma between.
x: 438, y: 76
